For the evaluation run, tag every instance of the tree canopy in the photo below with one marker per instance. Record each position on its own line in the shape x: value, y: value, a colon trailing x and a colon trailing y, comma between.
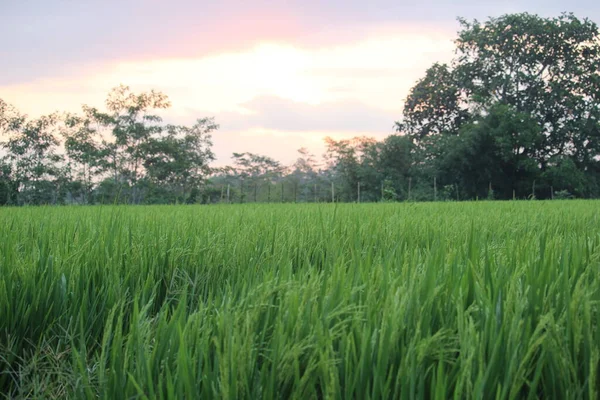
x: 124, y: 153
x: 521, y: 98
x: 516, y: 114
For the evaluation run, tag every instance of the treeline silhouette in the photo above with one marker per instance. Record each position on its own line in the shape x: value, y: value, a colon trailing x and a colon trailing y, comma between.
x: 515, y: 115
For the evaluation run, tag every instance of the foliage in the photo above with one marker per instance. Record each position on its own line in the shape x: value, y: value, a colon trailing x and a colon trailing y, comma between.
x: 563, y: 195
x: 122, y: 154
x: 516, y: 114
x: 522, y: 92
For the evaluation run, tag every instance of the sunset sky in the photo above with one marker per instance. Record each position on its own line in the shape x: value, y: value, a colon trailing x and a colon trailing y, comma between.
x: 277, y: 76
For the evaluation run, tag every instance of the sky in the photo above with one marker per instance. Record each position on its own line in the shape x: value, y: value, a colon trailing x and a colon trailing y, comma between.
x: 275, y: 75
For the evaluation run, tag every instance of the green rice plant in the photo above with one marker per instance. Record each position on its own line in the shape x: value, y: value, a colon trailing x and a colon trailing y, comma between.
x: 480, y: 300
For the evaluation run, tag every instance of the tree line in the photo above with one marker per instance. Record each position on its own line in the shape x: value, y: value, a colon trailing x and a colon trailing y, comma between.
x: 516, y: 114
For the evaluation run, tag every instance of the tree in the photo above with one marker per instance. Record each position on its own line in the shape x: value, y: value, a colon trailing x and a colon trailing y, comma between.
x: 180, y: 160
x: 350, y: 162
x: 563, y: 175
x: 124, y: 153
x: 533, y: 71
x: 546, y: 68
x: 395, y: 163
x: 10, y: 123
x: 31, y: 163
x: 492, y: 152
x: 306, y: 178
x: 86, y: 155
x: 434, y: 105
x: 133, y: 154
x: 132, y: 127
x: 255, y: 169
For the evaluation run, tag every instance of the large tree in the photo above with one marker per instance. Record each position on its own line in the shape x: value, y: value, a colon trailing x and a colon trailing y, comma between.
x: 541, y: 71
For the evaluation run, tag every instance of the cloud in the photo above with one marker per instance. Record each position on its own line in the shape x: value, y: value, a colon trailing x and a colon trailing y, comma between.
x: 279, y: 145
x: 275, y: 97
x: 278, y: 127
x: 377, y: 70
x: 277, y: 75
x: 61, y: 37
x: 275, y: 113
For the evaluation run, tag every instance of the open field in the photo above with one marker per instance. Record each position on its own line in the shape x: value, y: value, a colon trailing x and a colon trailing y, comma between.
x: 429, y: 300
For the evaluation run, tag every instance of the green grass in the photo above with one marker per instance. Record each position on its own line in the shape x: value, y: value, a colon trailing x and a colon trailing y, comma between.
x: 477, y: 300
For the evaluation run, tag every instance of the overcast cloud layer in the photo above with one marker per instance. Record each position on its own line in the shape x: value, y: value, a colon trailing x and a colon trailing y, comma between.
x: 276, y: 75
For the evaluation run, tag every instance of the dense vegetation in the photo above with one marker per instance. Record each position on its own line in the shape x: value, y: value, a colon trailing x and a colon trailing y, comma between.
x: 516, y: 115
x: 412, y: 300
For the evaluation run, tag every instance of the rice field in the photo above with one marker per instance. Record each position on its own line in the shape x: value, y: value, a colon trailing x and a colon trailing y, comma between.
x: 479, y: 300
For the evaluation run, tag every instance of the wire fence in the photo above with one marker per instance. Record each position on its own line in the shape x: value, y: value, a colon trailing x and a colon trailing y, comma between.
x: 324, y: 191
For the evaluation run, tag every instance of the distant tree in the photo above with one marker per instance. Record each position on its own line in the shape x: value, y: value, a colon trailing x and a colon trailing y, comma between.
x: 132, y: 126
x: 396, y: 165
x: 349, y: 161
x: 127, y: 153
x: 86, y: 154
x: 10, y: 123
x: 252, y: 170
x: 306, y: 178
x: 179, y: 161
x: 31, y: 163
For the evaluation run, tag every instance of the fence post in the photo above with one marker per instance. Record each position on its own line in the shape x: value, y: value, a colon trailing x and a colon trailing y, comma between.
x: 552, y: 192
x: 315, y: 192
x: 434, y: 189
x: 409, y: 187
x: 358, y: 192
x: 228, y: 193
x: 295, y: 192
x: 282, y: 192
x: 332, y: 193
